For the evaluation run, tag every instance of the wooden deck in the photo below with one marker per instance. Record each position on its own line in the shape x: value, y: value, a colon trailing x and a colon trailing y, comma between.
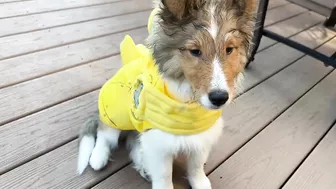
x: 322, y: 7
x: 56, y: 54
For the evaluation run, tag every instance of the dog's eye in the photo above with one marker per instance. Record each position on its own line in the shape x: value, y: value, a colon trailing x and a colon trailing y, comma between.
x: 229, y: 50
x: 196, y: 52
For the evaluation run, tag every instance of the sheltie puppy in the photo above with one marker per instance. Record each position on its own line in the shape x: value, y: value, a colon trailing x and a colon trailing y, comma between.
x: 200, y: 48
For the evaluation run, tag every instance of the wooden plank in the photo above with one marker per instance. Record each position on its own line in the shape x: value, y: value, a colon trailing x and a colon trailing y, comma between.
x: 312, y: 6
x: 39, y: 6
x: 327, y: 3
x: 31, y: 136
x: 292, y: 26
x: 120, y: 182
x: 296, y: 24
x: 57, y: 169
x: 30, y: 42
x: 22, y: 68
x: 29, y: 97
x: 270, y: 157
x: 276, y: 3
x: 265, y: 42
x: 243, y: 121
x: 35, y: 22
x: 319, y: 169
x: 121, y: 179
x: 282, y: 13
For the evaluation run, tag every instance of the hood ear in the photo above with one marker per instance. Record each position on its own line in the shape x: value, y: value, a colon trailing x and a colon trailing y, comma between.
x: 177, y: 10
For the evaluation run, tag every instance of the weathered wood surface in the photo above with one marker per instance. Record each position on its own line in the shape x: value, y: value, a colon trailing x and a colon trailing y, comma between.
x: 51, y: 72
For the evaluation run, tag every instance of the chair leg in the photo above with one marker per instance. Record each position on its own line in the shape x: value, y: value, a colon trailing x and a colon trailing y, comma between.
x: 258, y: 32
x: 331, y: 21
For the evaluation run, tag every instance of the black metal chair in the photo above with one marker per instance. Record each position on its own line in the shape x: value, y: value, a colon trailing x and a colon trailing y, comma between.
x: 331, y: 20
x: 260, y: 31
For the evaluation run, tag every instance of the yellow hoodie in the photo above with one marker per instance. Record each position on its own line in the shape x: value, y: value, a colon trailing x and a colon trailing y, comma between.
x: 136, y: 98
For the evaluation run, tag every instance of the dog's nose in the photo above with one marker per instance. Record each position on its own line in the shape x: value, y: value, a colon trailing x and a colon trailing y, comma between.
x: 218, y: 97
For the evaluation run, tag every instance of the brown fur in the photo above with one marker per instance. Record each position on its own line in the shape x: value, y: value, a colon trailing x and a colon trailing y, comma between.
x: 182, y: 26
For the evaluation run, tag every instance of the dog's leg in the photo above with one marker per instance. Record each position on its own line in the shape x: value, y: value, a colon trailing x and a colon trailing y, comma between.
x: 136, y: 154
x: 107, y: 139
x: 195, y: 170
x: 158, y: 160
x: 160, y: 169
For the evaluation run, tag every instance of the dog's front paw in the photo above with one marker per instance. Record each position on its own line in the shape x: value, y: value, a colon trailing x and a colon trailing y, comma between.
x: 99, y: 158
x: 201, y: 182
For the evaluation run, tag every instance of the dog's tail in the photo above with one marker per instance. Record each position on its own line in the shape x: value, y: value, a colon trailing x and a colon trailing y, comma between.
x: 87, y: 140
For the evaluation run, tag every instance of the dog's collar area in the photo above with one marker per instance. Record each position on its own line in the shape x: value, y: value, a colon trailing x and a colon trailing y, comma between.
x: 156, y: 110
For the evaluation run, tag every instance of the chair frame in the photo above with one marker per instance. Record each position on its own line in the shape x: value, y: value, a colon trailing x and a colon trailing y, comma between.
x: 260, y: 31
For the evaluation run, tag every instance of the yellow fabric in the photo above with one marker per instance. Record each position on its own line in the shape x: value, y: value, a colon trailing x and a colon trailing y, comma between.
x: 151, y: 18
x: 136, y: 97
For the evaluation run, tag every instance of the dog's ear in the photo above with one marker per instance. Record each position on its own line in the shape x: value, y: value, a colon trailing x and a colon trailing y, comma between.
x: 177, y: 10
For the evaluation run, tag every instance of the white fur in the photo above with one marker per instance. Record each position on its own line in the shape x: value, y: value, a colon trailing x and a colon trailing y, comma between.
x: 182, y: 91
x: 213, y: 30
x: 195, y: 170
x: 218, y: 81
x: 107, y: 139
x: 239, y: 87
x: 205, y: 101
x: 86, y: 146
x: 227, y: 36
x: 97, y: 152
x: 155, y: 150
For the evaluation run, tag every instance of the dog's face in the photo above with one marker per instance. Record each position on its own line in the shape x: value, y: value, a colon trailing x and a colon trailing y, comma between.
x: 206, y: 43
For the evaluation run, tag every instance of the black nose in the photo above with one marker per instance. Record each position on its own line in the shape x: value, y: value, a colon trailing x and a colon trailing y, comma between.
x: 218, y: 97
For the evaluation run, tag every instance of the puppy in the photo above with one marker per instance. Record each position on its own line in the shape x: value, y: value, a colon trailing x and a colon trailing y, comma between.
x: 199, y: 48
